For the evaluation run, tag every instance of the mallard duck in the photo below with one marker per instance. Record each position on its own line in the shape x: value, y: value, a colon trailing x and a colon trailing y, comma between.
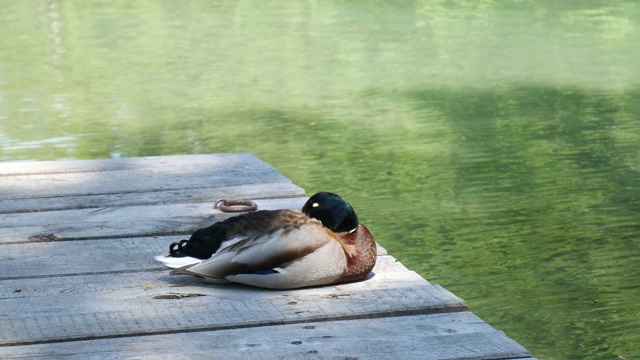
x: 280, y: 249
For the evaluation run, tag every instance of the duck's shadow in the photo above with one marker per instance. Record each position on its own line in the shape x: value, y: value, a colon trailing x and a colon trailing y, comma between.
x: 192, y: 281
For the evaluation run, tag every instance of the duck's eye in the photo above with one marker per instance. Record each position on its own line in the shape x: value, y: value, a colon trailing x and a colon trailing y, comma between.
x: 315, y: 204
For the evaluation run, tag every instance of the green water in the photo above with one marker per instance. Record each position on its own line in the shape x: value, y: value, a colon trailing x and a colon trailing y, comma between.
x: 492, y: 146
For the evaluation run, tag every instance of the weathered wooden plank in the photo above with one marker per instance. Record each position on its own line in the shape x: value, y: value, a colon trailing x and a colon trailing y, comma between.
x: 386, y: 272
x: 83, y: 257
x: 241, y: 160
x: 459, y: 335
x: 118, y: 176
x: 121, y: 221
x: 152, y: 302
x: 174, y: 196
x: 42, y: 186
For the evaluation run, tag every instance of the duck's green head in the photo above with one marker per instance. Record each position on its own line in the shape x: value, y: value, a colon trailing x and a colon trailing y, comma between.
x: 332, y: 210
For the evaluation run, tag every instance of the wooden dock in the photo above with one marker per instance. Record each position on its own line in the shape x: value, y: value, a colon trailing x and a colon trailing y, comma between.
x: 78, y: 278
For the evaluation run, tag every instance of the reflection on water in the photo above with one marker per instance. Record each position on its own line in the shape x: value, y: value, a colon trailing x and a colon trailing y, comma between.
x: 490, y: 146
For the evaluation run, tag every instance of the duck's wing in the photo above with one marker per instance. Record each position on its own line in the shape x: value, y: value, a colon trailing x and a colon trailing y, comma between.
x: 182, y: 261
x: 286, y: 256
x: 207, y: 241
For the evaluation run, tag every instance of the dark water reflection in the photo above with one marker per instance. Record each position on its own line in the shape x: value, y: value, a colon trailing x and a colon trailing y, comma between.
x: 490, y: 146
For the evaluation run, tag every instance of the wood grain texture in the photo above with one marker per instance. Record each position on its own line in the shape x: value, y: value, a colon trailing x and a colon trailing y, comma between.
x: 146, y: 162
x: 132, y: 304
x: 158, y: 219
x: 459, y: 335
x: 235, y: 170
x: 124, y: 182
x: 172, y: 196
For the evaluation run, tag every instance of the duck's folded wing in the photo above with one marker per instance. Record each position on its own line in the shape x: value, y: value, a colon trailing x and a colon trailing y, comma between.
x: 265, y: 253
